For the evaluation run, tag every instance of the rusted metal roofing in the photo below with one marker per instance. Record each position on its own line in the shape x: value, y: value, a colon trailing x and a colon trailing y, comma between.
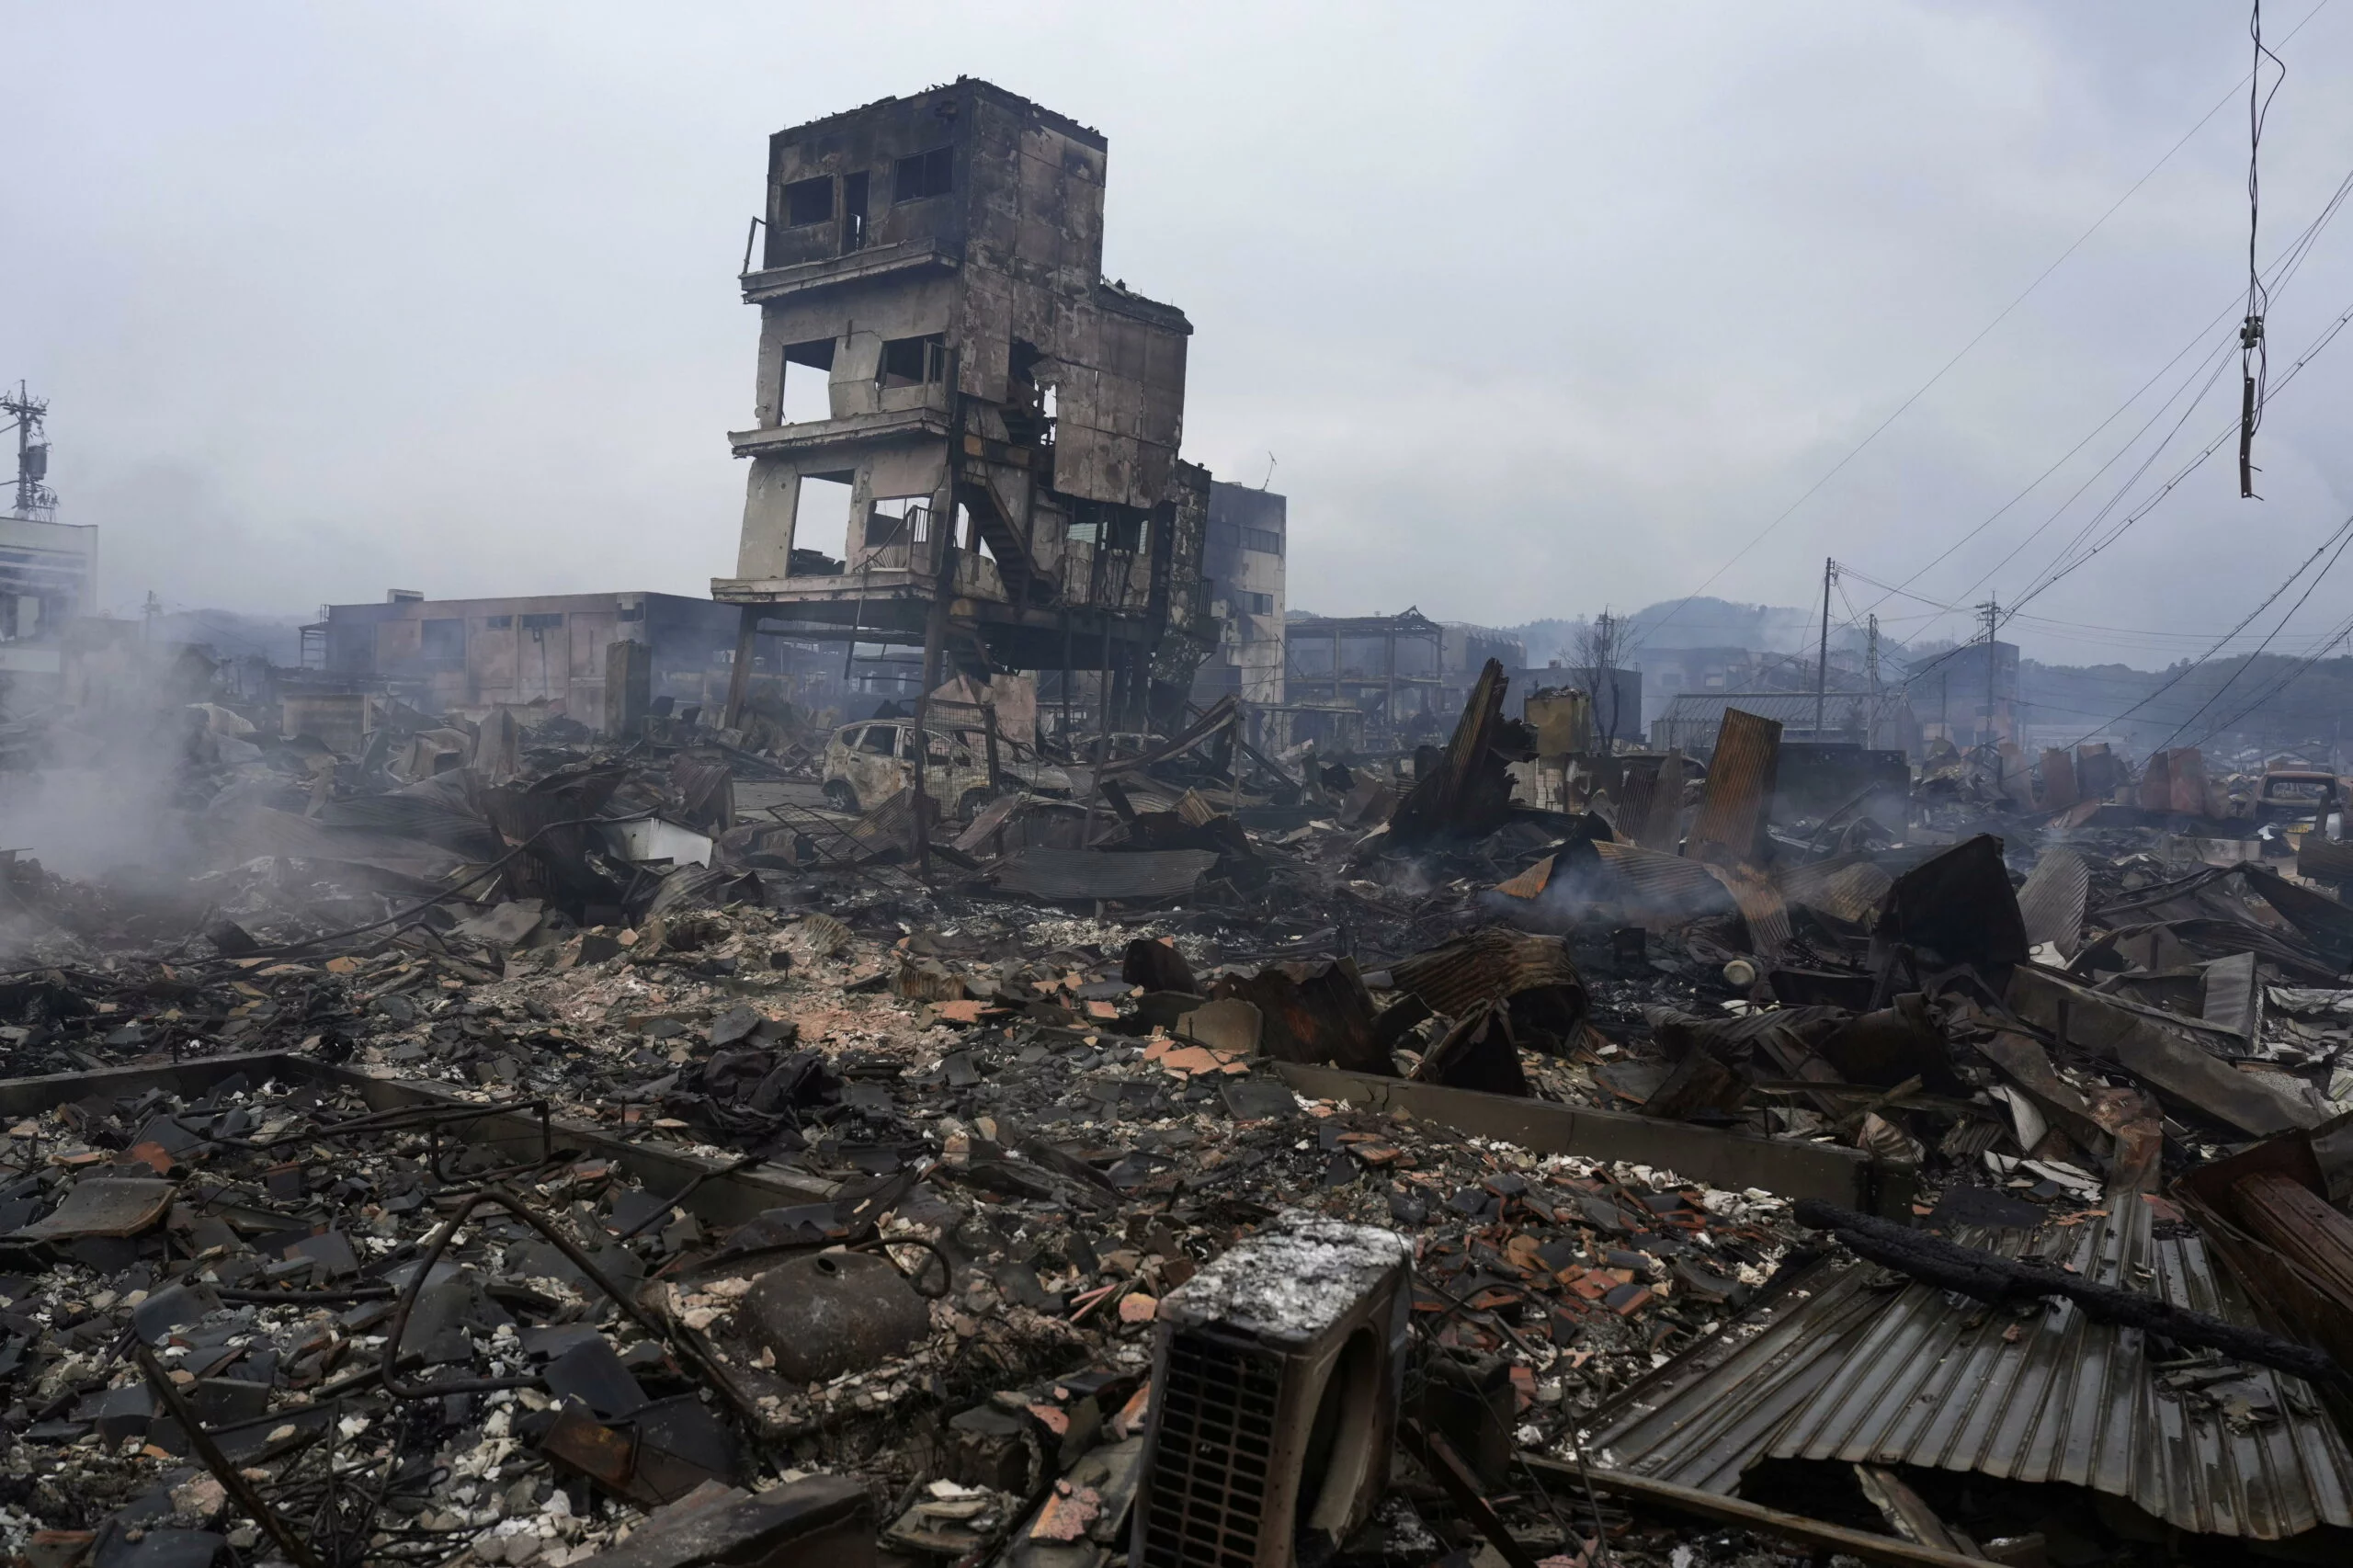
x: 1489, y: 965
x: 1846, y: 886
x: 1761, y: 908
x: 1740, y: 783
x: 1855, y: 1374
x: 1652, y: 875
x: 2051, y: 901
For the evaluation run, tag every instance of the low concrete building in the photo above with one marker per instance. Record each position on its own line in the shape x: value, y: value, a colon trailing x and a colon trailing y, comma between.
x: 1885, y: 721
x: 469, y: 656
x: 49, y: 577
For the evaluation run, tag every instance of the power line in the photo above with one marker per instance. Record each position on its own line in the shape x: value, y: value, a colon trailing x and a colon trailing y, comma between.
x: 2284, y: 268
x: 2296, y: 672
x: 2004, y: 315
x: 2254, y: 360
x: 2178, y: 676
x: 2248, y: 662
x: 2055, y: 574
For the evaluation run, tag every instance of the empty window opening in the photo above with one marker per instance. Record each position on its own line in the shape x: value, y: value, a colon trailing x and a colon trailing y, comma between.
x: 809, y: 202
x: 547, y: 623
x: 966, y: 528
x: 1266, y: 542
x: 1252, y: 603
x: 1047, y: 402
x: 822, y: 511
x: 853, y: 212
x: 912, y: 361
x: 808, y: 373
x: 925, y: 174
x: 497, y: 623
x: 443, y: 640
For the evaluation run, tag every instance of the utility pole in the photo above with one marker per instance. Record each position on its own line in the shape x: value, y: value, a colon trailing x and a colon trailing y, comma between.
x: 1871, y: 674
x: 33, y: 497
x: 1992, y: 611
x: 1822, y: 656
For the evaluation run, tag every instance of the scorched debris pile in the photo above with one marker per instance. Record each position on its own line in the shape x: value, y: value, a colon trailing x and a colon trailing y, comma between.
x: 507, y: 1147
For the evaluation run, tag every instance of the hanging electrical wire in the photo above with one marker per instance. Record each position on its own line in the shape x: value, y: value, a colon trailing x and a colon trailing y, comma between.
x: 2254, y: 356
x: 2062, y: 566
x: 2283, y: 271
x: 1947, y: 367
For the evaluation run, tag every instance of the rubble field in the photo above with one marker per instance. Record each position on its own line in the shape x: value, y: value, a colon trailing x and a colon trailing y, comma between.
x: 511, y: 1146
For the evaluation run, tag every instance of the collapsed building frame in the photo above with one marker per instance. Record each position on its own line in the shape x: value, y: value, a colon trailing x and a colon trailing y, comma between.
x: 991, y: 423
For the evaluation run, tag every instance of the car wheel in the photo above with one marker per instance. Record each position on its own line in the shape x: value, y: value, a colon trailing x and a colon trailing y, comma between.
x: 843, y: 797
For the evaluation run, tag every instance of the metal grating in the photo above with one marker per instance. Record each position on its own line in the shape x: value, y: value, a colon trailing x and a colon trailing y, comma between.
x: 1214, y: 1455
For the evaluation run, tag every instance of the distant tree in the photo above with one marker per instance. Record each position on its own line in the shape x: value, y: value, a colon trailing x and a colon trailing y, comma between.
x: 1600, y: 647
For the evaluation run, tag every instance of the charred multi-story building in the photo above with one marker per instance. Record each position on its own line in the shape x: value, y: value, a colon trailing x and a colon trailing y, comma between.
x: 965, y: 437
x: 1244, y: 565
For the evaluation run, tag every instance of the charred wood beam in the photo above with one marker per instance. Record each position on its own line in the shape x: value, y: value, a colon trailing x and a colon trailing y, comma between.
x: 1725, y: 1510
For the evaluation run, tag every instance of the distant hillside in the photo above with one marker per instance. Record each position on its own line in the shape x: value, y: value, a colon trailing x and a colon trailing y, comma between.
x: 1702, y: 624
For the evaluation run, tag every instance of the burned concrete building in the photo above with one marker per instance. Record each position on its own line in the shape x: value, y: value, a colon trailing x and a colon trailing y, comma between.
x: 964, y: 436
x: 1242, y: 563
x: 470, y: 656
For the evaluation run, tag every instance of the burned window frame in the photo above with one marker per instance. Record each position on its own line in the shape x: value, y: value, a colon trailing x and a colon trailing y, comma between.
x: 922, y: 175
x: 793, y: 208
x: 435, y: 635
x: 927, y: 353
x: 1266, y: 542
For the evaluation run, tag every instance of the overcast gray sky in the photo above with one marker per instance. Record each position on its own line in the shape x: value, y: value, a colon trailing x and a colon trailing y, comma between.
x: 1537, y: 309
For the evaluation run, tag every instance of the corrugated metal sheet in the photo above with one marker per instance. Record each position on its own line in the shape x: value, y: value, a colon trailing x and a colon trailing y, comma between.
x: 1761, y: 908
x: 1846, y: 888
x: 2052, y: 899
x: 1488, y: 965
x: 1668, y: 884
x: 1082, y: 875
x: 1852, y: 1374
x: 1739, y: 782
